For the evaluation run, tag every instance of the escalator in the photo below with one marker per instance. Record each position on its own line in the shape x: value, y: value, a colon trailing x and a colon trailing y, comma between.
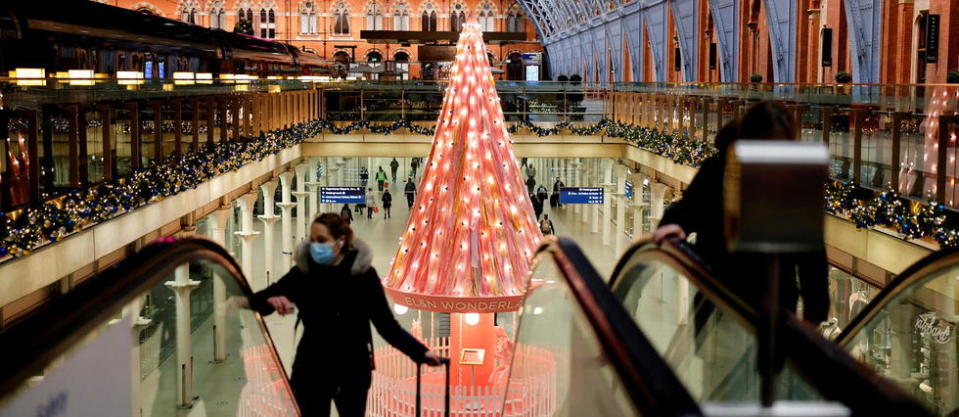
x: 907, y: 332
x: 163, y: 333
x: 708, y: 337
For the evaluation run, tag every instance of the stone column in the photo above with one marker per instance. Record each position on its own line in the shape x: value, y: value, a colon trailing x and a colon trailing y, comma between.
x: 619, y: 237
x: 137, y: 324
x: 608, y: 186
x: 268, y: 218
x: 587, y: 181
x: 182, y: 286
x: 286, y: 218
x: 217, y: 232
x: 657, y: 200
x: 576, y: 180
x: 246, y: 203
x: 302, y: 217
x: 638, y: 205
x: 313, y: 187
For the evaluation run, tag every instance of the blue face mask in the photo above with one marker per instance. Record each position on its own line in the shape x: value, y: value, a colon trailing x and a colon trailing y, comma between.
x: 322, y: 253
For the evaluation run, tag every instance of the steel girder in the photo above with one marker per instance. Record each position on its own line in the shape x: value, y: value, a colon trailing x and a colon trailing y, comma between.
x: 864, y: 17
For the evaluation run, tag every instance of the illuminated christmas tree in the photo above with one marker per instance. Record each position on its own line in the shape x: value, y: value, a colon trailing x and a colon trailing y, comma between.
x: 471, y: 233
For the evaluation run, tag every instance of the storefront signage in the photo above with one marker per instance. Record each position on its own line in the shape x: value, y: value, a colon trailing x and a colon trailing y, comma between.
x: 939, y: 330
x: 581, y: 195
x: 932, y: 38
x: 342, y: 195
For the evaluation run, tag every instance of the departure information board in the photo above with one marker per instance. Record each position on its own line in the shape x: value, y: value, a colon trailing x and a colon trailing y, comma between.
x: 581, y: 195
x: 342, y: 195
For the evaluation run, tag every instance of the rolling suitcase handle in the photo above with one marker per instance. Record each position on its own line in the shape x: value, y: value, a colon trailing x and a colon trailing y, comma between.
x: 446, y: 392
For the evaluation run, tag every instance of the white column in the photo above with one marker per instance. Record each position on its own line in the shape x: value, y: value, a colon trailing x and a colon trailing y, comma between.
x: 246, y: 203
x: 619, y: 237
x: 577, y: 181
x: 286, y: 219
x: 638, y: 204
x: 302, y: 217
x: 657, y: 198
x: 313, y: 186
x: 137, y: 324
x: 182, y: 285
x: 608, y: 200
x: 587, y: 181
x: 268, y: 218
x: 217, y: 231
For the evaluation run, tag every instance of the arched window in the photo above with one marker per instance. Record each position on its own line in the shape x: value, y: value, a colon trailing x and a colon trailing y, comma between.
x: 457, y: 18
x: 402, y: 64
x: 428, y: 18
x: 487, y: 17
x: 267, y: 23
x: 308, y: 19
x: 374, y: 17
x: 341, y: 19
x: 217, y: 15
x: 374, y: 56
x: 515, y: 22
x: 401, y: 17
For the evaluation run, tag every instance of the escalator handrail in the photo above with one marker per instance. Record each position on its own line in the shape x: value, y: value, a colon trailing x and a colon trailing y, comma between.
x: 825, y: 364
x: 648, y: 379
x: 48, y: 333
x: 915, y: 273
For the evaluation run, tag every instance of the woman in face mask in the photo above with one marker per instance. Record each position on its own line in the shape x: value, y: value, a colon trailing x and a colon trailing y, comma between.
x: 338, y: 294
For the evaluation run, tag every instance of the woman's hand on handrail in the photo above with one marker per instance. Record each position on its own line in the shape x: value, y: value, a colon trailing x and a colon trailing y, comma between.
x: 432, y: 359
x: 667, y: 232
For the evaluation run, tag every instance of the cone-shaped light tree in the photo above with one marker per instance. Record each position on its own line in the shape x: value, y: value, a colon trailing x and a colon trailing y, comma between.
x: 471, y: 234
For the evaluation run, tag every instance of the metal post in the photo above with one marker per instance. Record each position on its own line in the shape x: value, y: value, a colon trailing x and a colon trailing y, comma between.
x: 858, y: 115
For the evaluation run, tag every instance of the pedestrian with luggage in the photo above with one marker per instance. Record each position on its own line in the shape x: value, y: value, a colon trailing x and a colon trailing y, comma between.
x: 410, y: 191
x: 380, y: 178
x: 387, y: 203
x: 546, y: 225
x: 394, y: 165
x: 370, y: 203
x: 346, y: 214
x: 334, y: 358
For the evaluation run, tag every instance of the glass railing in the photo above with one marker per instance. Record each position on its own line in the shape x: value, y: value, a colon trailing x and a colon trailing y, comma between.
x: 908, y: 332
x: 707, y: 334
x: 165, y: 330
x: 577, y: 353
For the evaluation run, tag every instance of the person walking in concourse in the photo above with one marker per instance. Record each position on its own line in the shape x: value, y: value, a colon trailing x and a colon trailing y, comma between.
x: 370, y: 203
x: 387, y: 203
x: 346, y: 214
x: 380, y: 178
x: 700, y: 211
x: 410, y: 191
x: 394, y: 165
x: 337, y: 294
x: 546, y: 225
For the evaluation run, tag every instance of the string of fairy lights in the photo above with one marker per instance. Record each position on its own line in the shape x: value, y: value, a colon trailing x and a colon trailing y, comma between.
x: 26, y: 229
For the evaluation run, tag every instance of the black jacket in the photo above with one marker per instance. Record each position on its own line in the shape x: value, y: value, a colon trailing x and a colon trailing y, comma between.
x: 336, y: 305
x: 700, y: 211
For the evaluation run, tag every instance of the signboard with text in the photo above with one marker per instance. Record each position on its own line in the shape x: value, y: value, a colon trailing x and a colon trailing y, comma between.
x: 342, y: 195
x: 581, y: 195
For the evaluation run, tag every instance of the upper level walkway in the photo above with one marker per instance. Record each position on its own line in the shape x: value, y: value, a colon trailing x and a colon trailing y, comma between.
x: 89, y: 177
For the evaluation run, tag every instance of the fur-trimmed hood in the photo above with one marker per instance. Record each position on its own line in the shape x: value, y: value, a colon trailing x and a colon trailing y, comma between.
x: 363, y: 262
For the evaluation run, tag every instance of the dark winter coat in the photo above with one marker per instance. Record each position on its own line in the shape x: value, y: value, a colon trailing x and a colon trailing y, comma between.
x: 336, y: 304
x: 387, y: 200
x: 700, y: 211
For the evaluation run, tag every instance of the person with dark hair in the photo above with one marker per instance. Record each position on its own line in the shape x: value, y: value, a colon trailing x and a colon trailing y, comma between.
x: 346, y: 214
x: 337, y: 294
x: 387, y: 203
x: 410, y: 191
x: 394, y: 165
x: 370, y: 203
x: 701, y: 210
x: 537, y: 205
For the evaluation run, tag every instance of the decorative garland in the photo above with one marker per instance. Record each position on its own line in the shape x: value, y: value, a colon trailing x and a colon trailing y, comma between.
x: 26, y: 229
x: 887, y: 209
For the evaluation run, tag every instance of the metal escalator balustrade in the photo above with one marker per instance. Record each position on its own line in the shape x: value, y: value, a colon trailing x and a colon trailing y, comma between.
x: 708, y: 336
x: 578, y: 353
x: 907, y: 333
x: 163, y: 331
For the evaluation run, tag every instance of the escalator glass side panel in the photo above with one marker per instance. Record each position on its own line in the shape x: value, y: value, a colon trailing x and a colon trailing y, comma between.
x: 555, y: 337
x: 170, y: 334
x: 711, y: 349
x: 596, y: 362
x: 848, y: 297
x: 908, y: 334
